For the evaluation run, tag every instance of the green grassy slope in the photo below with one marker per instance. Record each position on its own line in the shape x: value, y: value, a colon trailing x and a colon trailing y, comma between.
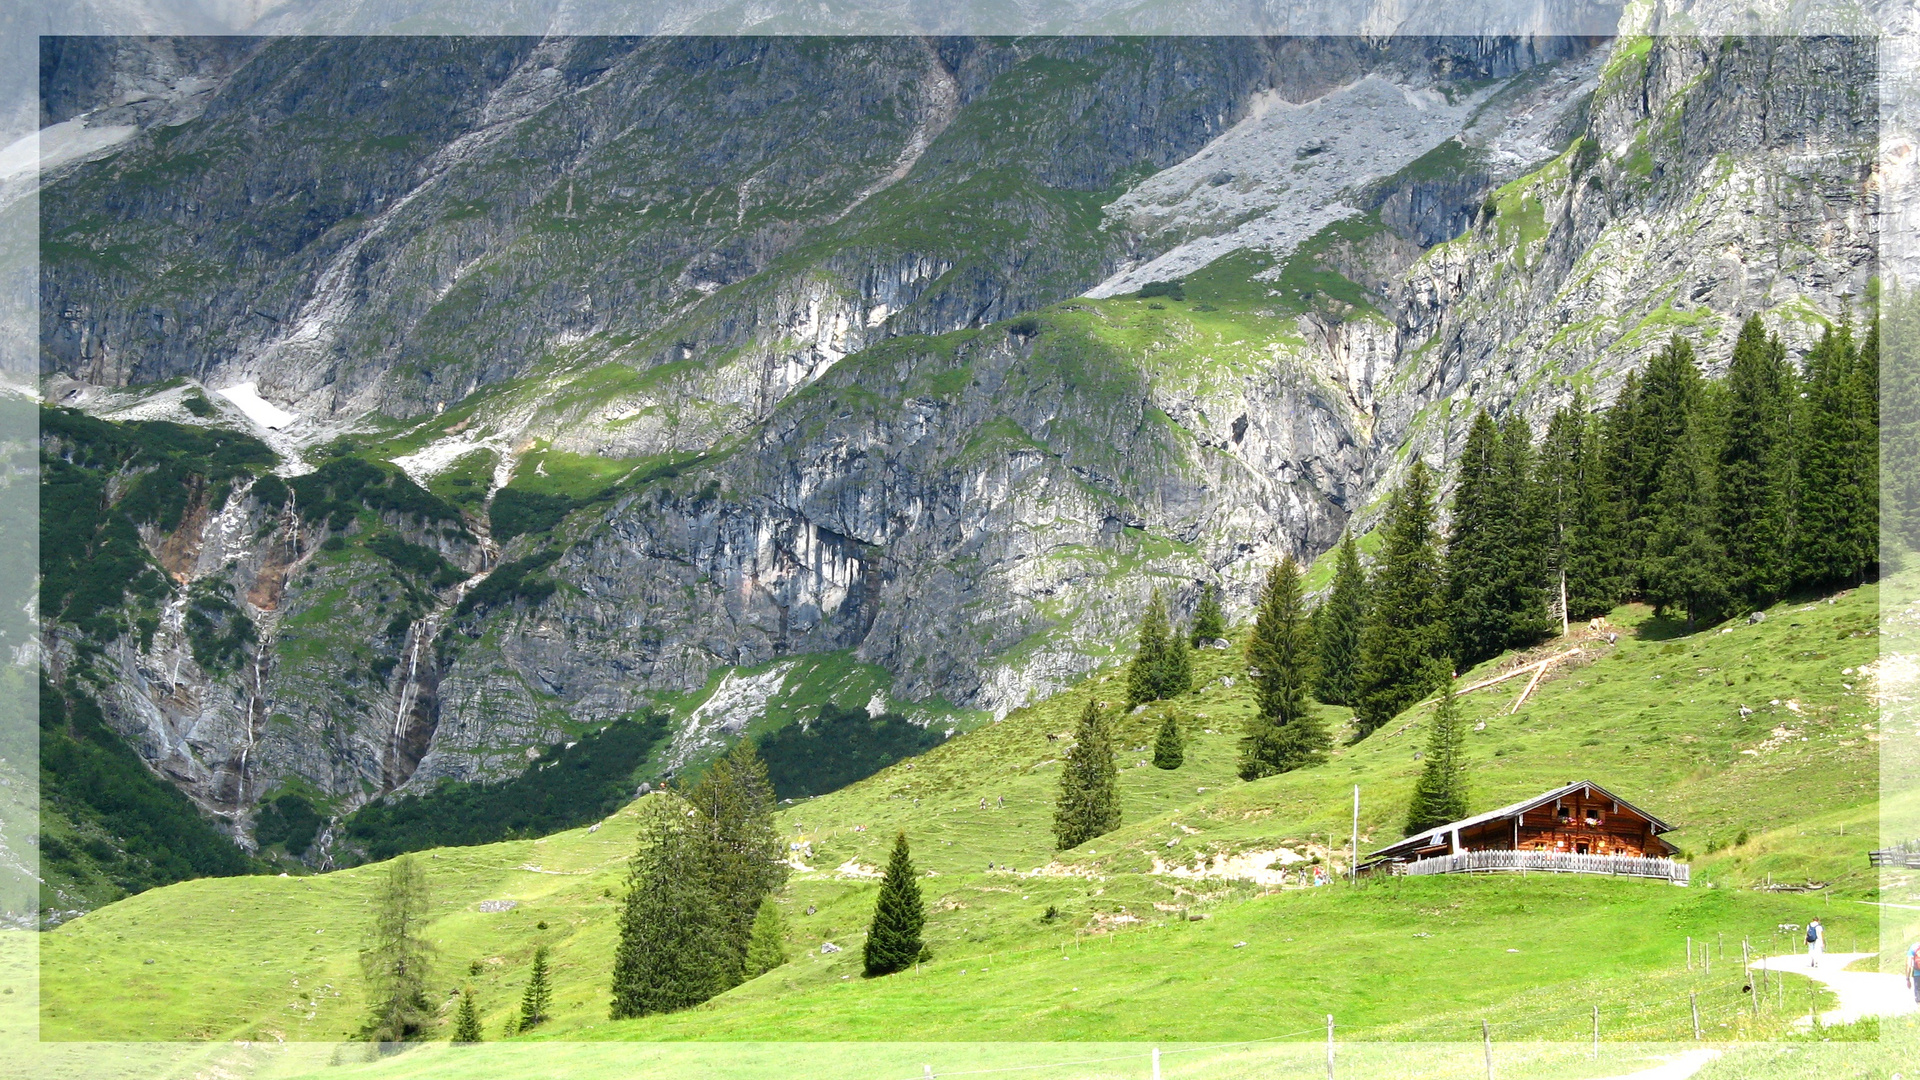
x: 1655, y: 718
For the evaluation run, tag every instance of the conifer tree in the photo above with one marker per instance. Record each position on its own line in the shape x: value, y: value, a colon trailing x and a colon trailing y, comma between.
x: 1523, y: 548
x: 1756, y: 469
x: 1285, y: 732
x: 397, y: 959
x: 768, y: 948
x: 1209, y: 624
x: 733, y: 810
x: 1151, y: 676
x: 893, y: 940
x: 466, y: 1019
x: 1834, y: 503
x: 675, y: 945
x: 1899, y: 365
x: 1337, y: 624
x: 538, y: 997
x: 1658, y: 416
x: 1440, y: 795
x: 1178, y: 677
x: 1169, y: 749
x: 1684, y: 562
x: 1403, y: 646
x: 1089, y: 801
x: 1592, y: 546
x: 1865, y: 528
x: 1476, y: 608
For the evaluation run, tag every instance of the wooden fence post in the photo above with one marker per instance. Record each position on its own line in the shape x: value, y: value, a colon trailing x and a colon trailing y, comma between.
x: 1689, y: 952
x: 1329, y: 1046
x: 1596, y: 1033
x: 1693, y: 998
x: 1156, y: 1063
x: 1486, y: 1035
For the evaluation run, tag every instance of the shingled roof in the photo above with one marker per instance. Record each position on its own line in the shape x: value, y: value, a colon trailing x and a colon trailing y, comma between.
x: 1438, y: 834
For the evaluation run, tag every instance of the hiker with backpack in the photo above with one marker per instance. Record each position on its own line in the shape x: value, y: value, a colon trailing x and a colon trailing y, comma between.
x: 1913, y: 970
x: 1816, y: 941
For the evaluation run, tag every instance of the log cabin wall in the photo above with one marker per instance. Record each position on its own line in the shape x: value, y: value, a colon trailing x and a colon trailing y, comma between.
x: 1590, y: 826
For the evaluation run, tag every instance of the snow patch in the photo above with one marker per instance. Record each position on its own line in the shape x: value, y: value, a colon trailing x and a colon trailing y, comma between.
x: 246, y: 397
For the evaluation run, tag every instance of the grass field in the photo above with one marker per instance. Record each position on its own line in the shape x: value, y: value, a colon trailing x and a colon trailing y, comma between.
x: 1147, y: 941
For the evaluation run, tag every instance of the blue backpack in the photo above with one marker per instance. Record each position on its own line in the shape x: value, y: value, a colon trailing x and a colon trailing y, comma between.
x: 1813, y: 934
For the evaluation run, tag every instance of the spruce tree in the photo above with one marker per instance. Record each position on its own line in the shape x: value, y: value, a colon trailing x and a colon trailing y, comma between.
x: 1667, y: 399
x: 1684, y: 563
x: 1523, y: 547
x: 538, y: 997
x: 1169, y: 750
x: 466, y: 1019
x: 1440, y: 795
x: 768, y: 948
x: 1337, y: 624
x: 1865, y: 528
x: 1403, y: 651
x: 1832, y: 502
x: 1576, y: 510
x: 1209, y: 623
x: 733, y: 810
x: 1756, y: 469
x: 1089, y: 801
x: 1285, y: 731
x: 1149, y: 677
x: 675, y: 948
x: 397, y: 959
x: 1900, y: 424
x: 1476, y: 608
x: 893, y: 940
x: 1177, y: 676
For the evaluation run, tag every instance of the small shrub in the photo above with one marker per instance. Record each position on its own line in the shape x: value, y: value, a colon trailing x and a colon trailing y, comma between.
x: 1172, y: 290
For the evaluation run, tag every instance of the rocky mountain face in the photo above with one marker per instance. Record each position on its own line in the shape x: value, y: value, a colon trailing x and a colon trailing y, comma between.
x: 737, y: 374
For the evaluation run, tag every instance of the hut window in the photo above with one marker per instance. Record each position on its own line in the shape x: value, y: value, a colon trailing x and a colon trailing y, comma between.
x: 1594, y: 817
x: 1566, y: 814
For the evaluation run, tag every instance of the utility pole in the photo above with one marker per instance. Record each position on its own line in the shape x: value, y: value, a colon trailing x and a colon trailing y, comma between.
x: 1563, y: 601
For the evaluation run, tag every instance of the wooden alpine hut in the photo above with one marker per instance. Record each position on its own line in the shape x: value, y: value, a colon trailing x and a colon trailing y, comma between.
x: 1579, y: 828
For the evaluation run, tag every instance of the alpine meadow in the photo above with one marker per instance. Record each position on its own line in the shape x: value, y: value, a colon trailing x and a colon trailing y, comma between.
x: 1373, y: 551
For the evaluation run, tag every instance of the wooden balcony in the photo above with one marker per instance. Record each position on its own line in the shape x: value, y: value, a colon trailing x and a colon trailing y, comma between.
x: 1550, y: 862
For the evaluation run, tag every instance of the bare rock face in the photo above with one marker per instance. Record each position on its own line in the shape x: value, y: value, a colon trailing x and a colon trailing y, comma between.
x: 791, y: 268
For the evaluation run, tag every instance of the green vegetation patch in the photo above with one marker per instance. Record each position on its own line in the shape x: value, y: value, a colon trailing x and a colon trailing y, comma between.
x: 567, y: 786
x: 839, y: 747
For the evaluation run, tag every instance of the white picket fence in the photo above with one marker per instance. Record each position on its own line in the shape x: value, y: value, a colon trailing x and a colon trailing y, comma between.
x: 1552, y: 862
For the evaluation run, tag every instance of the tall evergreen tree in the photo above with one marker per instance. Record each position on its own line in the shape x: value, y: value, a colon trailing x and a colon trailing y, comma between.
x: 1403, y: 647
x: 1160, y: 668
x: 1337, y: 624
x: 1169, y: 749
x: 768, y: 948
x: 1523, y: 562
x: 733, y: 811
x: 1684, y: 563
x: 1834, y: 506
x: 1865, y: 530
x: 1285, y: 731
x: 1089, y: 801
x: 1756, y: 469
x: 1209, y: 623
x: 675, y: 946
x: 1577, y: 511
x: 1658, y: 414
x: 1440, y: 795
x: 893, y: 940
x: 538, y: 997
x: 1476, y: 610
x: 1178, y: 679
x: 1898, y: 357
x: 466, y: 1019
x: 398, y: 958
